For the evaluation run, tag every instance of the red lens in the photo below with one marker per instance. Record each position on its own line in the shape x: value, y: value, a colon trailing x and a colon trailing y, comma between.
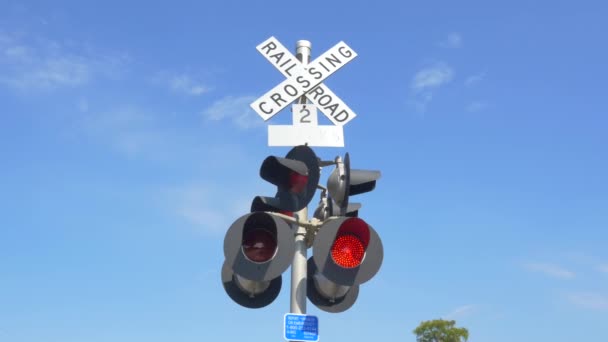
x: 259, y: 245
x: 285, y: 212
x: 297, y: 182
x: 347, y: 251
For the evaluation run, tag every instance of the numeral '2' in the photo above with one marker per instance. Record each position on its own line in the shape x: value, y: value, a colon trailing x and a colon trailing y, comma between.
x: 306, y: 112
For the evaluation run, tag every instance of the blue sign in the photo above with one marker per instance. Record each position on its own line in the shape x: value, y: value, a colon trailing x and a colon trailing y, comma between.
x: 301, y: 328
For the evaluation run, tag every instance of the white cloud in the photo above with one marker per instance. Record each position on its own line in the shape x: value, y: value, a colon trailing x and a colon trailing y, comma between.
x: 476, y: 106
x: 550, y: 270
x: 206, y: 206
x: 426, y: 81
x: 16, y: 51
x: 235, y: 109
x: 184, y: 84
x: 461, y: 312
x: 139, y: 132
x: 34, y: 63
x: 432, y: 77
x: 48, y: 73
x: 474, y: 79
x: 589, y: 300
x: 453, y: 41
x: 421, y: 101
x: 57, y: 71
x: 181, y: 83
x: 603, y: 268
x: 130, y: 130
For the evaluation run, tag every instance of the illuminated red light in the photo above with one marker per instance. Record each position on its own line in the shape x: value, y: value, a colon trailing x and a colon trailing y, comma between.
x: 297, y: 182
x: 259, y: 245
x: 347, y: 251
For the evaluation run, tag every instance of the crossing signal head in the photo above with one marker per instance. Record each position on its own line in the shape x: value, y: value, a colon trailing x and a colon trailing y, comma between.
x: 258, y: 248
x: 338, y: 246
x: 296, y: 177
x: 344, y: 182
x: 346, y: 253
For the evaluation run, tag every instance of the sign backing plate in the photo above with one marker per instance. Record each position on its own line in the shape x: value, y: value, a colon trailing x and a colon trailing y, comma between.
x: 303, y: 328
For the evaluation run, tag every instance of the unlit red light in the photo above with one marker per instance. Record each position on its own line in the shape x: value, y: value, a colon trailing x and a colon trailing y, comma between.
x: 259, y: 245
x: 286, y: 212
x: 297, y: 182
x: 347, y: 251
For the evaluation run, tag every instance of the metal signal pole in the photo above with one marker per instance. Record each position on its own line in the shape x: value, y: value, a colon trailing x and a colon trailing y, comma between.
x: 298, y: 266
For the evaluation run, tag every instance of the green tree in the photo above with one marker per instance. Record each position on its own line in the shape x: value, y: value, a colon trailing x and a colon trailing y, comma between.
x: 439, y: 330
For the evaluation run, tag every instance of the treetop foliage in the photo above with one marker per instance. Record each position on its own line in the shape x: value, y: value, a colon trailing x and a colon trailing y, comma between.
x: 440, y: 330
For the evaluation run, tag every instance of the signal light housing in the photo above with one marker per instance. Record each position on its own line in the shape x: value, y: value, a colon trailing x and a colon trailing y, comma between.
x: 346, y: 253
x: 326, y: 238
x: 258, y: 248
x: 296, y: 177
x: 344, y: 182
x: 252, y: 295
x: 325, y: 294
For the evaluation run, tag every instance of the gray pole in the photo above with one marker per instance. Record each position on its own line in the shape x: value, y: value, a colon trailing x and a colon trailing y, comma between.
x: 303, y: 48
x: 298, y: 266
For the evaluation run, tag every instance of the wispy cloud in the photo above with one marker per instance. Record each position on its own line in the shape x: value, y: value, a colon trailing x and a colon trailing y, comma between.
x: 589, y: 300
x: 131, y: 130
x: 206, y: 206
x: 454, y: 40
x: 474, y: 79
x: 603, y: 268
x: 235, y: 109
x: 432, y: 77
x: 35, y: 63
x: 461, y: 312
x: 551, y: 270
x: 137, y: 131
x: 426, y: 81
x: 182, y: 83
x: 476, y: 106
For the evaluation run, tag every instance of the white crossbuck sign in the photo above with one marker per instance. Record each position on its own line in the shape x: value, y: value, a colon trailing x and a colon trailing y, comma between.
x: 305, y: 81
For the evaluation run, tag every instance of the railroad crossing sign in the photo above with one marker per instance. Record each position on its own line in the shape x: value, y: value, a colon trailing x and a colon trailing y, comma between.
x: 305, y: 80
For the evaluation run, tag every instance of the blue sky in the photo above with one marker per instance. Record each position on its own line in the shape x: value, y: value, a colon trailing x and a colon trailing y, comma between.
x: 128, y: 147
